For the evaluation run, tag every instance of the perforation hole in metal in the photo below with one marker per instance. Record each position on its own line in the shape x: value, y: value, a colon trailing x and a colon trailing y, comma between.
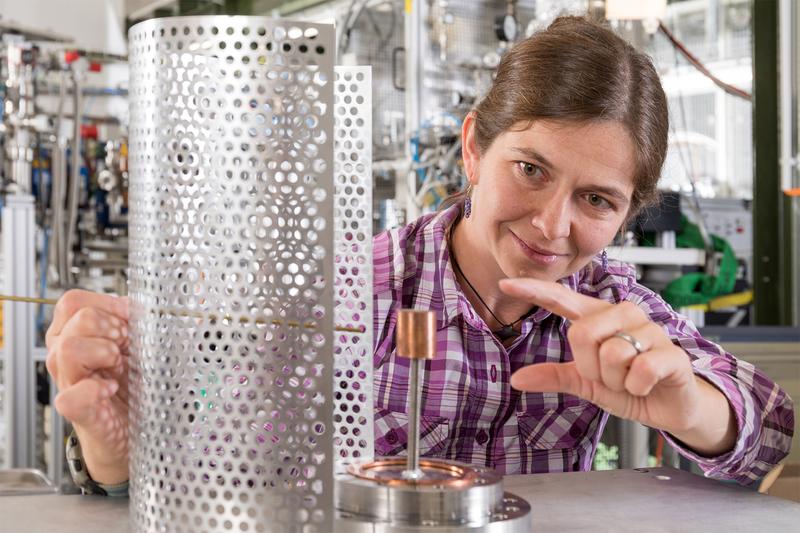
x: 231, y: 246
x: 353, y: 409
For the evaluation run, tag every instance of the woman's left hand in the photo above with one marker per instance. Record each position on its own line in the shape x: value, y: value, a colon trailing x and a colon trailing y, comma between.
x: 654, y: 385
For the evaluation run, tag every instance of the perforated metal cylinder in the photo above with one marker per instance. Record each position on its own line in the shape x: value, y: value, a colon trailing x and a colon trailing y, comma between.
x: 231, y: 240
x: 353, y: 407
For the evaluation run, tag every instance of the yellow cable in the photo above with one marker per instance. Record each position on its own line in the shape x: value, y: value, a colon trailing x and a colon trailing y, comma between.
x: 736, y: 299
x: 242, y: 320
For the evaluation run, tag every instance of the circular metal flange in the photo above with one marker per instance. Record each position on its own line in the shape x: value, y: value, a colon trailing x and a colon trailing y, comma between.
x: 514, y: 516
x: 451, y: 497
x: 441, y: 474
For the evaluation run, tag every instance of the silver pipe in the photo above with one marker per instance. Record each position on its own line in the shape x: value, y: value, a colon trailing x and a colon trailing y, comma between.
x: 787, y: 159
x: 57, y: 259
x: 75, y: 181
x: 414, y: 30
x: 412, y: 463
x: 788, y: 20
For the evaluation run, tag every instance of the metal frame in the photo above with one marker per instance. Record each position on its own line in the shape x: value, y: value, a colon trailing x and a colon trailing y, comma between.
x: 789, y: 26
x: 415, y: 11
x: 772, y: 231
x: 19, y: 238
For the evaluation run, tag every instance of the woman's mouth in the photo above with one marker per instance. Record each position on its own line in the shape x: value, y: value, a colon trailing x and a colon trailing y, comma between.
x: 536, y: 254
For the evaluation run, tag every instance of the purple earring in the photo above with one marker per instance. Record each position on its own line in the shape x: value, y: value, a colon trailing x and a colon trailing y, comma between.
x: 467, y: 207
x: 604, y: 259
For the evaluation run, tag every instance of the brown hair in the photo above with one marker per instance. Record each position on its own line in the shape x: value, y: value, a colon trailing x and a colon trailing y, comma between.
x: 577, y: 70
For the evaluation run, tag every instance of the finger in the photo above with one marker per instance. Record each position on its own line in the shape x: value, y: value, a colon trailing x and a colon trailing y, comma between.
x: 588, y: 334
x: 554, y: 297
x: 650, y: 368
x: 79, y: 403
x: 616, y: 354
x: 564, y: 377
x: 74, y: 300
x: 80, y: 357
x: 95, y: 322
x: 548, y: 377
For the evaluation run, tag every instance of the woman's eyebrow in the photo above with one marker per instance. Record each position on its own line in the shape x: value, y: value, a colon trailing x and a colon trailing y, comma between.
x: 533, y: 154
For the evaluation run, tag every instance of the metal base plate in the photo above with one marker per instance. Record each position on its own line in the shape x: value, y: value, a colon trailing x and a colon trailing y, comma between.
x: 451, y: 496
x: 515, y: 517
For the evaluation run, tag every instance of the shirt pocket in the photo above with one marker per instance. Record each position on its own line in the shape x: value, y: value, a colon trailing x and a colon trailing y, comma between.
x: 391, y: 433
x: 555, y: 429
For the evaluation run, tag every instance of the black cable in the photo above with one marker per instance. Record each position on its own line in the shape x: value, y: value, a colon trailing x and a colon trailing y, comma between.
x: 696, y: 63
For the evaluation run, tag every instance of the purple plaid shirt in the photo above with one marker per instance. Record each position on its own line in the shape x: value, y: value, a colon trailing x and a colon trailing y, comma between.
x: 470, y: 412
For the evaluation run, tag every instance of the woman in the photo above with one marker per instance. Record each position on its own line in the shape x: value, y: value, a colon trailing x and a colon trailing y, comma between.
x: 540, y: 337
x: 566, y: 147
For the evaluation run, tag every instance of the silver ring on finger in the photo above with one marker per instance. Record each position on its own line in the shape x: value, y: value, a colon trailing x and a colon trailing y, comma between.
x: 630, y: 339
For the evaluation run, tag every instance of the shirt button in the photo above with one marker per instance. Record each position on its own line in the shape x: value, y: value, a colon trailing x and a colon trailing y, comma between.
x: 391, y: 437
x: 482, y: 437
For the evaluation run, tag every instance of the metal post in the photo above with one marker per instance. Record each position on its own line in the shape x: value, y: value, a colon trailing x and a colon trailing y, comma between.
x: 55, y: 467
x: 414, y: 29
x: 771, y: 282
x: 414, y: 396
x: 18, y: 110
x: 789, y: 20
x: 58, y: 258
x: 633, y: 448
x: 75, y: 180
x: 20, y: 261
x: 21, y: 155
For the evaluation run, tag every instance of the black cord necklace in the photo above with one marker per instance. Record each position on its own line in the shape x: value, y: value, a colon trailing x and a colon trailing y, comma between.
x: 507, y: 330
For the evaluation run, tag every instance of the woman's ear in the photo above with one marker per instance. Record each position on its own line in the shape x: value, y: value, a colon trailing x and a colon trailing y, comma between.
x: 469, y: 149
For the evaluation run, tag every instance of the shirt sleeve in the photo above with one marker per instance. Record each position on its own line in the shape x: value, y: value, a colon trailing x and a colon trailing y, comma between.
x: 764, y: 412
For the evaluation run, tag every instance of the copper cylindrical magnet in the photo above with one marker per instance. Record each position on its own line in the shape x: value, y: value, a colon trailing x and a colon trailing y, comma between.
x: 416, y: 334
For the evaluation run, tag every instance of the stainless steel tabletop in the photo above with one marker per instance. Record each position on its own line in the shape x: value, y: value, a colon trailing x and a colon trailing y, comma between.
x: 649, y: 500
x: 656, y: 499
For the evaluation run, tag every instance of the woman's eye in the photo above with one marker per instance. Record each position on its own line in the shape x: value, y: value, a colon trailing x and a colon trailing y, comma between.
x: 529, y: 169
x: 595, y: 200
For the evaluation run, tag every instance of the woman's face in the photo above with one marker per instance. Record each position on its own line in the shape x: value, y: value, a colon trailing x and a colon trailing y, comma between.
x: 548, y: 198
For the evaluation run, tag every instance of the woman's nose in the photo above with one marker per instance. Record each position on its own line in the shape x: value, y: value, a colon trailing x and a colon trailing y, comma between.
x: 553, y: 218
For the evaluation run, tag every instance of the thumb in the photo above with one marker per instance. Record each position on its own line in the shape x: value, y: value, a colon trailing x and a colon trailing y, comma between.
x: 548, y: 377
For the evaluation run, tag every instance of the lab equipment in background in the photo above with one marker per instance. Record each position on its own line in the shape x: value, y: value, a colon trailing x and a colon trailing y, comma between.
x: 22, y: 124
x: 668, y: 248
x: 390, y: 215
x: 49, y: 170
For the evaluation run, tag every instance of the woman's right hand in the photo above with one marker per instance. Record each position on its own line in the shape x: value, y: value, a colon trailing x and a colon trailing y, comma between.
x: 87, y: 356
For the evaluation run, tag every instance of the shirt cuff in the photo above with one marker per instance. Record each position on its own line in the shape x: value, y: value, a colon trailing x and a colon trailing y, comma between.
x: 722, y: 466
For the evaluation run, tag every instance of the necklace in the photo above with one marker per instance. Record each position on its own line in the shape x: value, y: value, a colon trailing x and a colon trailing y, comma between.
x: 507, y: 330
